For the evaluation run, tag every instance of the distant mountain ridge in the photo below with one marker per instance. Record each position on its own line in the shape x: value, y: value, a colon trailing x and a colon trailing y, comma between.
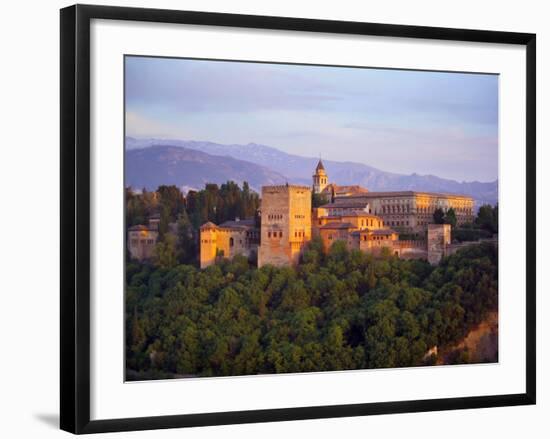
x: 154, y: 166
x: 277, y: 166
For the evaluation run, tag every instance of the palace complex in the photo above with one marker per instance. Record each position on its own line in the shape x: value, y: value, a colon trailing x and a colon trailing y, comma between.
x: 364, y: 220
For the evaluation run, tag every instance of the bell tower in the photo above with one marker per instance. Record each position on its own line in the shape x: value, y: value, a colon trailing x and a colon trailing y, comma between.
x: 320, y: 178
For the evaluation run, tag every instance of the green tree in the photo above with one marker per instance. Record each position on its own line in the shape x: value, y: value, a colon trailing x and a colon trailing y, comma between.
x: 164, y: 255
x: 439, y: 216
x: 450, y: 217
x: 186, y: 241
x: 318, y: 200
x: 487, y: 218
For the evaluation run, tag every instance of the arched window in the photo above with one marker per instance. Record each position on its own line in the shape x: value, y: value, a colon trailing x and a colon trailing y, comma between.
x: 230, y: 242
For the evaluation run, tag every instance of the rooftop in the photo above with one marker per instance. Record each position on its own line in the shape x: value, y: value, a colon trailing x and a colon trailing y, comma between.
x: 141, y: 227
x: 247, y: 223
x: 373, y: 231
x: 406, y: 194
x: 383, y: 231
x: 320, y: 166
x: 354, y: 189
x: 345, y: 203
x: 337, y: 225
x: 285, y: 186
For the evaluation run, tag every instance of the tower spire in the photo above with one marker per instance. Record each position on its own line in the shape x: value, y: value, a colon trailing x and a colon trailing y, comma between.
x: 320, y: 178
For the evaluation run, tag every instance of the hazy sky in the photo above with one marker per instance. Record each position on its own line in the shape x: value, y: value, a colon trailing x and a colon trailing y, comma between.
x: 445, y: 124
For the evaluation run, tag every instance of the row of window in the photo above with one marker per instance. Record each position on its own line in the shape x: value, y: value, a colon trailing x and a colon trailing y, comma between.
x: 431, y: 202
x: 365, y: 223
x: 374, y: 238
x: 431, y: 209
x: 143, y: 241
x: 393, y: 209
x: 274, y: 234
x: 398, y: 223
x: 275, y: 217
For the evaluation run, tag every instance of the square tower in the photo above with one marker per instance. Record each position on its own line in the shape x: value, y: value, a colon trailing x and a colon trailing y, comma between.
x: 286, y: 224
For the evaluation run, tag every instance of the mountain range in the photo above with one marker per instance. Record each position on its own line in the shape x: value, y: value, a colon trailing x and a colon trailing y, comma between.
x: 191, y: 164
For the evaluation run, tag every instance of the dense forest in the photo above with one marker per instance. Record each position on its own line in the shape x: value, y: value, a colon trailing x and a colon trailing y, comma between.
x: 335, y: 311
x: 213, y: 203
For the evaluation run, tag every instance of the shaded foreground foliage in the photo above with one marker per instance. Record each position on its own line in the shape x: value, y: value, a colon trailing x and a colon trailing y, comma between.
x: 343, y: 310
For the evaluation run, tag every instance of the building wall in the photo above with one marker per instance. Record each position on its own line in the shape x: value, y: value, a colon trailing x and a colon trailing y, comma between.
x: 413, y: 211
x: 330, y: 236
x: 320, y: 181
x: 208, y: 246
x: 359, y: 220
x: 286, y: 224
x: 141, y: 243
x: 439, y: 239
x: 225, y: 242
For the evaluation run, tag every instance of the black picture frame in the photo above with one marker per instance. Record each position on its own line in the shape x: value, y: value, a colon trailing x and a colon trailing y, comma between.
x: 75, y: 217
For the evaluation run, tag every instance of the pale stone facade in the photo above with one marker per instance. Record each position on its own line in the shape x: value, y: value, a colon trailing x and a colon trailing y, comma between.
x: 406, y: 211
x: 231, y: 238
x: 439, y: 239
x: 286, y: 224
x: 141, y: 241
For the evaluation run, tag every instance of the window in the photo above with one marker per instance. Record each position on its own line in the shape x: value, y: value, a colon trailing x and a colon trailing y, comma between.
x: 280, y: 234
x: 231, y: 242
x: 269, y: 234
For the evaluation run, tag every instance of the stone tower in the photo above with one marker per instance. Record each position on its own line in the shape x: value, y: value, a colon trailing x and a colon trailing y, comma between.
x: 286, y: 224
x: 208, y: 249
x: 320, y: 178
x: 439, y: 239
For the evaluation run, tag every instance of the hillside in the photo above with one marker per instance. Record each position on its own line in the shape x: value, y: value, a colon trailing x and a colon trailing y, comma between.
x: 157, y: 165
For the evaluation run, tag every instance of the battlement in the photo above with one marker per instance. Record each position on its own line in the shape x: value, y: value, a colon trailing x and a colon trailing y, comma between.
x: 284, y: 188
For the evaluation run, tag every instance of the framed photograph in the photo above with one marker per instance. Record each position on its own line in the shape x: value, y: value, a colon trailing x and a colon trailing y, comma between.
x: 275, y: 218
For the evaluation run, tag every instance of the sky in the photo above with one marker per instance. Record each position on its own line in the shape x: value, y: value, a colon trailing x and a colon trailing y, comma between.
x: 438, y: 123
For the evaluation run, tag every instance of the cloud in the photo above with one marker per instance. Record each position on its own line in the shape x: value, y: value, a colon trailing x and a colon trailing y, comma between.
x: 405, y: 121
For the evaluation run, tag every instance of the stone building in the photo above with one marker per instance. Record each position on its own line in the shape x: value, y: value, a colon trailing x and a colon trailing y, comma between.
x: 367, y: 221
x: 439, y: 239
x: 286, y: 223
x: 142, y: 240
x: 231, y: 238
x: 406, y: 211
x: 358, y: 219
